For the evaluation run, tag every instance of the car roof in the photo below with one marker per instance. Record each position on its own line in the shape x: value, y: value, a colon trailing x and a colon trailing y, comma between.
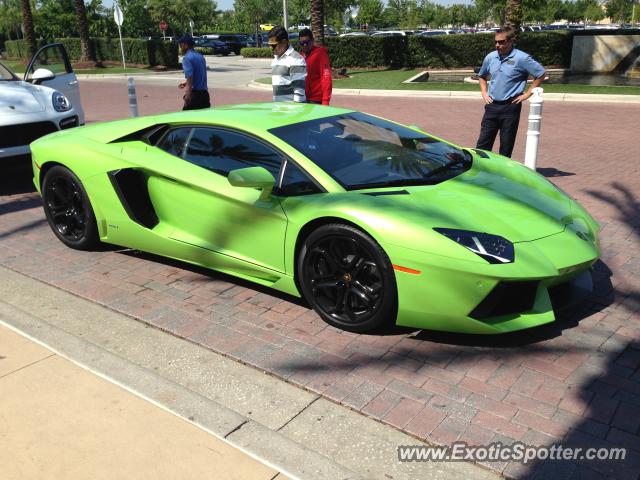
x: 255, y: 117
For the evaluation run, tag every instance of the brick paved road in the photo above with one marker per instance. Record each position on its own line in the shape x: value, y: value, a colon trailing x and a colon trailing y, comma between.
x: 577, y: 381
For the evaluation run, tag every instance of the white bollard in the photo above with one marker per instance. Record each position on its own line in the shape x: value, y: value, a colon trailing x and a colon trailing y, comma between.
x: 533, y: 130
x: 133, y: 100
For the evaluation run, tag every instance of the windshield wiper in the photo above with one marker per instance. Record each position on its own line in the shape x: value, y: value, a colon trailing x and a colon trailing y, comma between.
x: 403, y: 182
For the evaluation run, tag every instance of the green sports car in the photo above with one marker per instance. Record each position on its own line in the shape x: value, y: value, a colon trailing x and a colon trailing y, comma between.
x: 370, y: 221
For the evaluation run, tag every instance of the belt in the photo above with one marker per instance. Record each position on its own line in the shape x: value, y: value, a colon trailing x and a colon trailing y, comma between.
x: 508, y: 100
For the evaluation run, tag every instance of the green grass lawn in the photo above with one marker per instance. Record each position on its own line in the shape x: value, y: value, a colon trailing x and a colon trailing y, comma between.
x: 392, y: 80
x: 19, y: 66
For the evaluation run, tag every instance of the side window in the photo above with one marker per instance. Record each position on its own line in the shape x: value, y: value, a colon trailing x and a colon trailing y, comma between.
x: 52, y: 58
x: 222, y: 151
x: 296, y: 182
x: 175, y: 141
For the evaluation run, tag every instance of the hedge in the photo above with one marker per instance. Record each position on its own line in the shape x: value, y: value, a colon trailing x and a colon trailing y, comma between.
x: 253, y: 52
x: 441, y: 51
x: 137, y: 51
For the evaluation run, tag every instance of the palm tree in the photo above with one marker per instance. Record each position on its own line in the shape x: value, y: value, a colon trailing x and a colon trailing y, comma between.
x: 514, y: 13
x: 27, y: 23
x: 317, y: 21
x: 86, y: 52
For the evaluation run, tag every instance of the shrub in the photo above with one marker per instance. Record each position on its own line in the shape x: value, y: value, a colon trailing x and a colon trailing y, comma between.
x: 367, y: 51
x: 137, y: 51
x: 443, y: 51
x: 253, y: 52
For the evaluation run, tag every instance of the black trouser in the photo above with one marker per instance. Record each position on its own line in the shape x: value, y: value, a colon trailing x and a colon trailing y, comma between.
x: 199, y: 99
x: 503, y: 116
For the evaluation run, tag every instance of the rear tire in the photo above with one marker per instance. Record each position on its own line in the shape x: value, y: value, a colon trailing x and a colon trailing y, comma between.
x: 68, y: 210
x: 347, y: 278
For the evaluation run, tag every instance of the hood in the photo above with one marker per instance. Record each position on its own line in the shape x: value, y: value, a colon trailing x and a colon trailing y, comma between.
x: 504, y: 198
x: 21, y: 97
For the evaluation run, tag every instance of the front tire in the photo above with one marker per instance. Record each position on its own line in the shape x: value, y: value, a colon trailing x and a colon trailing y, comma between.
x: 347, y: 278
x: 68, y: 210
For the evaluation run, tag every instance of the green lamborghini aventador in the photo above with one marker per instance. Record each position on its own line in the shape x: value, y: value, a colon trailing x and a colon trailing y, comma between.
x: 370, y: 221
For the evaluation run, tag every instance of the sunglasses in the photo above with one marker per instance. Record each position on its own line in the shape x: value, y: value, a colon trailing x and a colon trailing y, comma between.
x: 304, y: 43
x: 501, y: 42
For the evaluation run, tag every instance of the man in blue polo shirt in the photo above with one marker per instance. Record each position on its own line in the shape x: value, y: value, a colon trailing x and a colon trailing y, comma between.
x: 508, y: 69
x: 196, y: 93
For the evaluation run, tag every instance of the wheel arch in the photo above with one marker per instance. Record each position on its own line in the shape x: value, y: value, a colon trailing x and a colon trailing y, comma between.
x: 45, y: 167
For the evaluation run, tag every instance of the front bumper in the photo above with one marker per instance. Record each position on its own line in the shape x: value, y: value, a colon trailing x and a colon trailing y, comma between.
x: 474, y: 297
x: 15, y: 139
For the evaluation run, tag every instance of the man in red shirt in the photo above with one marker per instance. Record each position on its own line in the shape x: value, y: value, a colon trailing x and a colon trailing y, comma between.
x: 318, y: 86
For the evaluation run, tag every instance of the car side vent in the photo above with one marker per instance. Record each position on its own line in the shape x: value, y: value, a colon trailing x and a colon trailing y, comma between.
x: 149, y: 135
x: 507, y: 298
x: 394, y: 192
x: 131, y: 187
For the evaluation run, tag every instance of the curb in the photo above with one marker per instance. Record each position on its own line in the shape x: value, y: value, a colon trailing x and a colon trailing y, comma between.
x: 552, y: 97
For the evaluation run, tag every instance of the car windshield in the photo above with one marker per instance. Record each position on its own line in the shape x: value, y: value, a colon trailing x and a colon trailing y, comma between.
x: 361, y: 151
x: 6, y: 74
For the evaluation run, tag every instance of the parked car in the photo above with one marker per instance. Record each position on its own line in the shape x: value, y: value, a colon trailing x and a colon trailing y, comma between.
x: 432, y: 33
x: 354, y: 34
x: 45, y: 101
x: 372, y: 222
x: 389, y: 33
x: 216, y: 47
x: 236, y: 42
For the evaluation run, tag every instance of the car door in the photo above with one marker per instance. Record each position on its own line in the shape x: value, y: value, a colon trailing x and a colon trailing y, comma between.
x: 190, y: 192
x: 54, y: 57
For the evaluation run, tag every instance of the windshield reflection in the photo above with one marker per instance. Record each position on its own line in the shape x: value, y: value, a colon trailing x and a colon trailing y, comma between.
x: 361, y: 151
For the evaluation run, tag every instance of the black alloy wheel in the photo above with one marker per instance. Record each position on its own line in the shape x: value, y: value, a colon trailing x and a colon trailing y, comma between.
x: 347, y: 278
x: 68, y: 209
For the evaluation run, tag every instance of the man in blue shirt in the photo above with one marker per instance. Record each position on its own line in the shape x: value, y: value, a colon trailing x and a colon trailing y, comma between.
x: 508, y: 69
x: 196, y: 94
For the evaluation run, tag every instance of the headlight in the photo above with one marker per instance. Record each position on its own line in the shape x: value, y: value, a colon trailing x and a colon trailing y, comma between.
x: 60, y: 102
x: 493, y: 248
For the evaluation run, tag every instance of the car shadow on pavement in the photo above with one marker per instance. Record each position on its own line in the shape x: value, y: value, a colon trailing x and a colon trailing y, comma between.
x: 611, y: 393
x: 208, y: 275
x: 17, y: 176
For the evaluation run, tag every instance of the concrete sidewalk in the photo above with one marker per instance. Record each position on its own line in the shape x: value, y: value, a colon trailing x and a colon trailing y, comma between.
x: 61, y: 421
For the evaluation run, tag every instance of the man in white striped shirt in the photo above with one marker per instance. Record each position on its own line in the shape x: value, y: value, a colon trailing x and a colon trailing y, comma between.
x: 288, y: 68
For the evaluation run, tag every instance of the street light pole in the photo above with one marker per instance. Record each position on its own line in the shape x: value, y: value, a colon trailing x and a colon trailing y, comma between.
x: 284, y: 14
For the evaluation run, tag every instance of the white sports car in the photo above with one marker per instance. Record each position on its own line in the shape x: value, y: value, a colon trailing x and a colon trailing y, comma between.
x: 47, y: 100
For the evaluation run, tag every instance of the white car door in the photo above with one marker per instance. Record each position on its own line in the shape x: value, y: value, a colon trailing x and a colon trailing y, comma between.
x: 54, y: 58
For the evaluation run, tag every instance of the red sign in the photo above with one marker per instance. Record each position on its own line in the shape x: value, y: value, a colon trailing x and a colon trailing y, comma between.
x: 163, y: 26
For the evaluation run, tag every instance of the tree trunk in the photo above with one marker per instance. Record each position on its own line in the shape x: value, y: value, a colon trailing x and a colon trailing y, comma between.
x: 86, y: 52
x: 27, y: 23
x: 317, y: 21
x: 514, y: 13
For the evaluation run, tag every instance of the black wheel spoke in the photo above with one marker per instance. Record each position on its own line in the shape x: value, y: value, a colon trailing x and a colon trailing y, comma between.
x: 337, y: 253
x: 326, y: 257
x: 325, y: 282
x: 340, y: 299
x: 362, y: 294
x: 347, y: 307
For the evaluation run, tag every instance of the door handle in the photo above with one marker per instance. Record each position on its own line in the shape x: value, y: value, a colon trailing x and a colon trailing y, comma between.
x: 72, y: 82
